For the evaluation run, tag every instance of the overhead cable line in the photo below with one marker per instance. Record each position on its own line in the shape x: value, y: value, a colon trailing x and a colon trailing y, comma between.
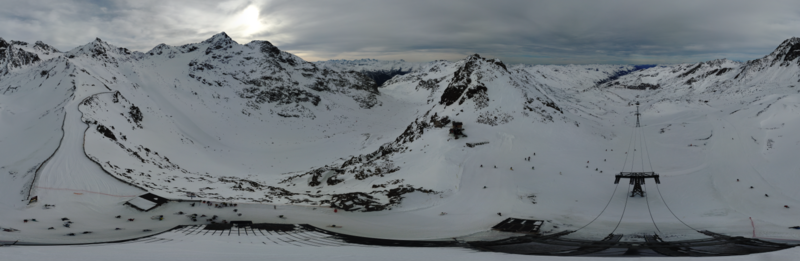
x: 646, y: 198
x: 648, y: 209
x: 623, y: 211
x: 604, y: 209
x: 670, y: 210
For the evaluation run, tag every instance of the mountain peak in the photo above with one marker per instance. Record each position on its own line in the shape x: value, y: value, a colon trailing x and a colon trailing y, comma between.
x: 787, y: 51
x: 45, y: 48
x: 99, y: 49
x: 793, y: 40
x: 218, y: 37
x: 723, y: 62
x: 219, y: 41
x: 462, y: 83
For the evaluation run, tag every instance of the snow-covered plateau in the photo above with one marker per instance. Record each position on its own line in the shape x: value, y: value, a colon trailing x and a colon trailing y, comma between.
x: 86, y: 130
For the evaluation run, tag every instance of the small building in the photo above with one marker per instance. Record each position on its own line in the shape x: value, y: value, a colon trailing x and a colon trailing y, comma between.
x: 457, y: 129
x: 146, y: 202
x: 518, y: 225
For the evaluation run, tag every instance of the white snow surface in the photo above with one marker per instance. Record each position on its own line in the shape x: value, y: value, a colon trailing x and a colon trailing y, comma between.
x: 88, y: 129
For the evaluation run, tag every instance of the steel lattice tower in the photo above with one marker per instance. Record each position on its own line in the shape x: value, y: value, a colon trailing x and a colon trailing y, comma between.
x: 637, y: 178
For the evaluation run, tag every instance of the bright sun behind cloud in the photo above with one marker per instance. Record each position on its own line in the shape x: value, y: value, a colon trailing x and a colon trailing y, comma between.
x: 247, y: 22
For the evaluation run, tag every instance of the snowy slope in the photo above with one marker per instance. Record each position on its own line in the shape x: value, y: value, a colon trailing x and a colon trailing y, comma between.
x: 92, y: 127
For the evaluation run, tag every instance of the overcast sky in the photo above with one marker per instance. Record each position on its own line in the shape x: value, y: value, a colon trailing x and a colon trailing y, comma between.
x: 535, y: 32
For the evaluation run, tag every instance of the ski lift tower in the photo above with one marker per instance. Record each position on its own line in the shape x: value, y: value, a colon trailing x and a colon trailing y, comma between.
x: 637, y: 178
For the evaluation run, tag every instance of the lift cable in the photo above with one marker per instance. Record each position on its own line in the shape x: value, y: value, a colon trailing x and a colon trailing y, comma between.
x: 626, y: 152
x: 662, y: 197
x: 648, y: 209
x: 633, y: 162
x: 633, y: 154
x: 623, y: 211
x: 670, y: 210
x: 646, y: 198
x: 615, y: 188
x: 648, y: 154
x: 604, y: 209
x: 641, y: 159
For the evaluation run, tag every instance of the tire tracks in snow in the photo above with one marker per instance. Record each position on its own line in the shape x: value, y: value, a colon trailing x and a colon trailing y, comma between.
x: 77, y: 107
x: 38, y: 169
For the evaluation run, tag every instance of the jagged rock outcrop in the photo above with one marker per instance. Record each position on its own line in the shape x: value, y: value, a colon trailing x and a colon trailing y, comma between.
x: 13, y: 57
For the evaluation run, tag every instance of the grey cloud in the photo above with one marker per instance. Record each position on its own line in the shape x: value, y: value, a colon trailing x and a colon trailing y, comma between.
x: 553, y: 31
x: 608, y: 31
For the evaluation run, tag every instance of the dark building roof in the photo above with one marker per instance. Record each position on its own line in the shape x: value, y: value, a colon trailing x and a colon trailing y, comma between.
x: 154, y: 198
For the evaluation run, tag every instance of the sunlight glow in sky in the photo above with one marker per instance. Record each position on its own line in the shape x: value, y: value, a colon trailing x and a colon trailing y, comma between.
x: 247, y: 22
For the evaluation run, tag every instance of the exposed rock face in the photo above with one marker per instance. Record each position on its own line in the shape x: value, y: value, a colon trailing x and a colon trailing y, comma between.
x: 784, y: 55
x: 13, y: 57
x: 467, y: 85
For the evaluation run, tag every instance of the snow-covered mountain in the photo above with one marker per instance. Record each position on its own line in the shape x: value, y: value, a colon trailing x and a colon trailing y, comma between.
x: 16, y: 54
x: 249, y: 123
x: 372, y: 65
x: 777, y: 68
x: 379, y: 71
